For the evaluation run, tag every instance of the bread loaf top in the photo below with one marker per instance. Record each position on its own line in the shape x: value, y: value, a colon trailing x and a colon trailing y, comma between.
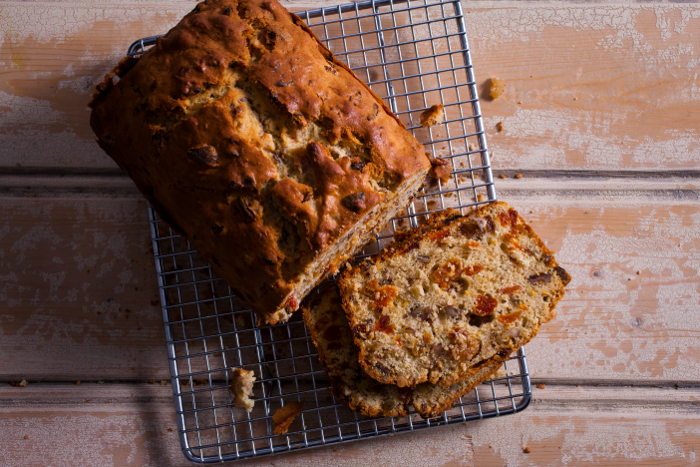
x: 248, y: 136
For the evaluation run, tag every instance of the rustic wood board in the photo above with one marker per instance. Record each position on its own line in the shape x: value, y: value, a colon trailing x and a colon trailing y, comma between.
x: 608, y: 87
x: 128, y: 424
x: 83, y: 301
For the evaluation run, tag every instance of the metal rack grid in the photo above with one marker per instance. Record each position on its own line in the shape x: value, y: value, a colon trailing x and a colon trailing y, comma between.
x: 413, y: 53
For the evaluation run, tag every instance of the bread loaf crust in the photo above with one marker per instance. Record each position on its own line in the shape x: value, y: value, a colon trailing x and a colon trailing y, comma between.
x: 248, y: 136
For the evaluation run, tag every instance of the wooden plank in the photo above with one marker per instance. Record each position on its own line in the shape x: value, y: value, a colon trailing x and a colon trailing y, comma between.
x: 78, y: 288
x: 123, y: 425
x: 630, y: 104
x: 606, y: 87
x: 130, y: 425
x: 76, y: 265
x: 594, y: 426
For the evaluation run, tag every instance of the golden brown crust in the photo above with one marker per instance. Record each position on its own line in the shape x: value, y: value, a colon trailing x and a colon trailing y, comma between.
x: 457, y: 323
x: 249, y: 137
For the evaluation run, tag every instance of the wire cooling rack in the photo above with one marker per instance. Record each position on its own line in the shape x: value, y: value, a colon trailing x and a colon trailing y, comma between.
x: 414, y: 54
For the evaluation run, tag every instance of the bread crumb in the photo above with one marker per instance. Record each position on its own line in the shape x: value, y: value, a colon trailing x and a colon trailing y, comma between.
x: 22, y: 384
x: 479, y: 197
x: 441, y: 169
x: 519, y: 176
x: 575, y: 98
x: 170, y: 429
x: 498, y: 88
x: 499, y: 126
x: 100, y: 382
x: 501, y: 176
x: 199, y: 381
x: 242, y: 388
x: 527, y: 450
x: 163, y: 382
x: 472, y: 147
x: 26, y: 436
x: 432, y: 116
x: 151, y: 381
x: 639, y: 272
x: 520, y: 102
x: 540, y: 386
x: 77, y: 383
x: 284, y: 416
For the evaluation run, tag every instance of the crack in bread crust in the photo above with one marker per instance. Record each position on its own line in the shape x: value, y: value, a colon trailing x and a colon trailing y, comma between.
x: 251, y: 139
x: 446, y: 298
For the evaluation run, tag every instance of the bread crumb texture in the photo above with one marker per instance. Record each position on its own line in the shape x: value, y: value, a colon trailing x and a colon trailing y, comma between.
x: 246, y: 135
x: 451, y: 296
x: 242, y: 388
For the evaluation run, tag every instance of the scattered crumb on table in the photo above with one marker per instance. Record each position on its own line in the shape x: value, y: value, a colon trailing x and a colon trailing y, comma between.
x: 499, y: 126
x: 501, y: 176
x: 519, y: 176
x: 498, y: 88
x: 527, y: 450
x: 540, y: 386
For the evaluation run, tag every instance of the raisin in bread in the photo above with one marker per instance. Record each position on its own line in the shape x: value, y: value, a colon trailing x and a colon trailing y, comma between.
x: 248, y: 136
x: 330, y: 332
x: 450, y: 296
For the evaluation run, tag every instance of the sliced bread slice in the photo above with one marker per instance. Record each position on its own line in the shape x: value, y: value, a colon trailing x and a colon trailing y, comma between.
x: 450, y: 296
x: 330, y: 332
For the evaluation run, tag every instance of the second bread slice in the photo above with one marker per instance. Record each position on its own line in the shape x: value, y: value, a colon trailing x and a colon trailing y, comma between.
x: 329, y: 329
x: 450, y: 297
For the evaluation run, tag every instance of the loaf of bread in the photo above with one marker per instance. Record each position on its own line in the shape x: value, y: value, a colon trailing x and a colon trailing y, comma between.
x: 330, y: 332
x: 246, y: 135
x: 450, y: 297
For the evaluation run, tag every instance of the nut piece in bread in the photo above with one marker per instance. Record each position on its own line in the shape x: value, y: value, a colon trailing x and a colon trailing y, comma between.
x: 330, y: 332
x: 246, y: 135
x: 451, y: 295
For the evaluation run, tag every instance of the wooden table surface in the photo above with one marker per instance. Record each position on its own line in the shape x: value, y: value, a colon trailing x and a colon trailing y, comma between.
x: 602, y: 119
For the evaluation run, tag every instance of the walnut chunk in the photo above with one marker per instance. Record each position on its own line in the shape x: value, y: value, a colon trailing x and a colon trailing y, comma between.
x: 498, y: 88
x: 205, y: 154
x: 284, y: 416
x: 465, y: 346
x: 432, y: 116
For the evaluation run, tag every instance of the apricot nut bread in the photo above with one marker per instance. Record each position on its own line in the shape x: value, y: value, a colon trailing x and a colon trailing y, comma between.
x: 451, y: 297
x: 330, y: 332
x: 246, y: 135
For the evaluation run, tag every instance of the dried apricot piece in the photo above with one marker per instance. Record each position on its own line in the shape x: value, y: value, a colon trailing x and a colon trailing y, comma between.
x: 485, y: 305
x: 448, y: 272
x: 509, y: 318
